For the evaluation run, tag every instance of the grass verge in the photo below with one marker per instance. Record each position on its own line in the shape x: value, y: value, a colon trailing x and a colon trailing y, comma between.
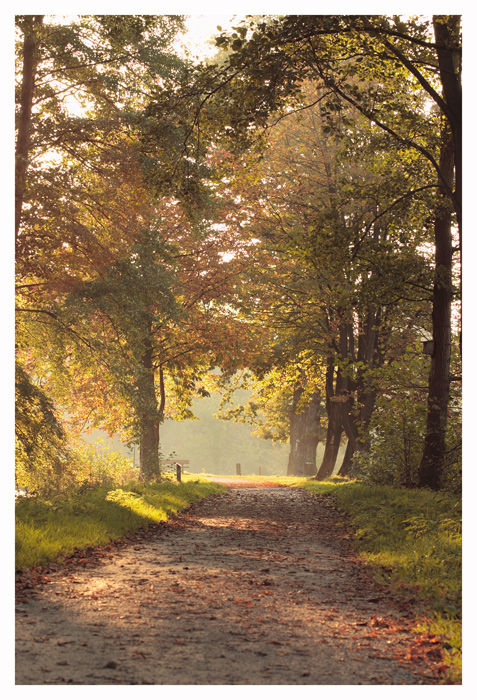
x: 413, y: 541
x: 47, y: 529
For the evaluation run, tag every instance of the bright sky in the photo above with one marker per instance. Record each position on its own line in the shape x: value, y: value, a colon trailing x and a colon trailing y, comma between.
x: 202, y: 27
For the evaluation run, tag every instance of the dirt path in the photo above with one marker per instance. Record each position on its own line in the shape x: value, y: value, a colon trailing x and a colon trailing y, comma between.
x: 248, y: 587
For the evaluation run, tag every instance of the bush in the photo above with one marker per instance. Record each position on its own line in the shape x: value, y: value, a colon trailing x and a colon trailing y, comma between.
x: 395, y: 447
x: 42, y: 455
x: 396, y: 444
x: 100, y: 465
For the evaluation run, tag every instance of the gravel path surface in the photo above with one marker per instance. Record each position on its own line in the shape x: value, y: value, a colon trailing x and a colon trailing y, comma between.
x: 252, y: 586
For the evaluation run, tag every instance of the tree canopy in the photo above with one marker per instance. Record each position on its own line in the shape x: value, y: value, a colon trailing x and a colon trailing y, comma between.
x: 288, y: 212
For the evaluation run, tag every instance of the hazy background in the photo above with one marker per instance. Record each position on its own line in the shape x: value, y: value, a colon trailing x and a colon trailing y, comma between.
x: 211, y: 445
x: 214, y: 446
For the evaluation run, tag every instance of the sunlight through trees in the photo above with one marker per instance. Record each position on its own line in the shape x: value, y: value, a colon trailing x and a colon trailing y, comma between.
x: 281, y: 214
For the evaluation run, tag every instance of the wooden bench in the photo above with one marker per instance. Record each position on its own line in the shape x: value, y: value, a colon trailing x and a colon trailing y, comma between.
x: 174, y: 466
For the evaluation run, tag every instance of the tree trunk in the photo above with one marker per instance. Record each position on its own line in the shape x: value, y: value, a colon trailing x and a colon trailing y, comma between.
x: 149, y: 447
x: 347, y: 460
x: 304, y: 435
x: 148, y: 417
x: 338, y: 400
x: 333, y: 440
x: 355, y: 424
x: 447, y: 35
x: 432, y: 462
x: 448, y: 42
x: 334, y: 407
x: 32, y: 23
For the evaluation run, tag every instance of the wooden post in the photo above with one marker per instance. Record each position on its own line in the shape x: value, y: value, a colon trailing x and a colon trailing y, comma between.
x: 239, y: 469
x: 260, y: 471
x: 178, y: 472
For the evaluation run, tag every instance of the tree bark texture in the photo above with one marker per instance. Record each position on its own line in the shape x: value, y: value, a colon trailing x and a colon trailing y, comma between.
x: 338, y: 401
x: 333, y: 440
x: 350, y: 401
x: 447, y: 31
x: 304, y: 435
x: 32, y: 24
x: 432, y: 462
x: 347, y: 462
x: 356, y: 415
x: 148, y: 417
x: 334, y: 409
x: 447, y: 35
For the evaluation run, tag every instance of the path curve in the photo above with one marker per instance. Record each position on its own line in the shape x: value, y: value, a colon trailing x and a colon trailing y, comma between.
x: 251, y: 586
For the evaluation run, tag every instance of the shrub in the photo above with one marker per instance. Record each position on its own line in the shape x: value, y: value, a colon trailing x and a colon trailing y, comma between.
x: 395, y: 446
x: 98, y: 464
x: 42, y: 456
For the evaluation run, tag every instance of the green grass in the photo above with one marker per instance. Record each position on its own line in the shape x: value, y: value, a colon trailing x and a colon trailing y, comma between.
x: 46, y: 530
x: 412, y: 539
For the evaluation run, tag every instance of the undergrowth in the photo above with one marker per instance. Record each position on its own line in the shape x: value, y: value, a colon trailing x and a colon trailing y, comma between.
x: 47, y: 529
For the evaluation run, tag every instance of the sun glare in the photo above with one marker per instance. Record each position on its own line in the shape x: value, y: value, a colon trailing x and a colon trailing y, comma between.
x: 200, y: 29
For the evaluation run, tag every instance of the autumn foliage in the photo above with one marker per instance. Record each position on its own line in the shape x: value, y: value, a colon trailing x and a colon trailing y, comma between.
x: 179, y: 223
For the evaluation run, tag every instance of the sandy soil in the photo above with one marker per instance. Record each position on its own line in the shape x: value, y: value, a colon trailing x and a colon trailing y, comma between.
x: 252, y: 586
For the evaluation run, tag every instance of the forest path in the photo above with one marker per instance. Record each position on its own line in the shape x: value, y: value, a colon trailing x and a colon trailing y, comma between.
x: 252, y: 586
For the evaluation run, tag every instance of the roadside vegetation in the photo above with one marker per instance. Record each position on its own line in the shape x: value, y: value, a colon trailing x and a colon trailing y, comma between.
x: 49, y: 528
x: 412, y: 539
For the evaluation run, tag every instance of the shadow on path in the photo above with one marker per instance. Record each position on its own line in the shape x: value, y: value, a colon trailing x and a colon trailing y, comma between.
x: 252, y: 586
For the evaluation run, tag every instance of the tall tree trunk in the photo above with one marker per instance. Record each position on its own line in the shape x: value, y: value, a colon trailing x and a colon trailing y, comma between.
x: 356, y: 426
x: 304, y: 435
x: 356, y: 423
x: 447, y: 31
x: 148, y: 417
x: 447, y: 34
x: 432, y: 462
x: 333, y: 439
x: 334, y: 408
x: 338, y: 399
x: 345, y: 466
x: 31, y: 26
x: 149, y: 447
